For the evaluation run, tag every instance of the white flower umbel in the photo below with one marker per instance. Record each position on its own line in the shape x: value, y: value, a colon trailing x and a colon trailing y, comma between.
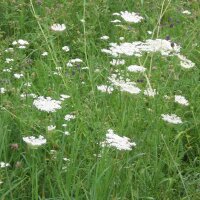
x: 73, y: 61
x: 181, y: 100
x: 51, y: 128
x: 185, y: 63
x: 115, y: 62
x: 118, y: 142
x: 4, y: 165
x: 45, y: 53
x: 2, y: 90
x: 131, y: 17
x: 8, y: 60
x: 105, y: 37
x: 186, y: 12
x: 171, y: 118
x: 34, y: 142
x: 47, y: 104
x: 136, y: 68
x: 18, y: 76
x: 138, y: 47
x: 150, y: 92
x: 65, y: 48
x: 105, y: 88
x: 58, y: 27
x: 69, y: 117
x: 124, y: 86
x: 64, y: 96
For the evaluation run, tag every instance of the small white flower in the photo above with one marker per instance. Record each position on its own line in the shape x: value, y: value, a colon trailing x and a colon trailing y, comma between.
x: 51, y: 128
x: 116, y: 14
x: 22, y: 42
x: 136, y: 68
x: 45, y: 53
x: 58, y: 27
x: 72, y: 61
x: 66, y: 133
x: 4, y: 165
x: 150, y: 92
x: 115, y: 62
x: 47, y: 104
x: 35, y: 142
x: 121, y: 38
x: 64, y: 125
x: 8, y: 60
x: 69, y: 117
x: 18, y: 76
x: 7, y: 70
x: 2, y: 90
x: 105, y: 37
x: 65, y: 48
x: 64, y: 96
x: 115, y: 21
x: 22, y: 47
x: 185, y: 63
x: 171, y: 118
x: 105, y: 88
x: 66, y: 159
x: 120, y: 143
x: 131, y: 17
x: 28, y: 84
x: 187, y: 12
x: 149, y: 32
x: 9, y: 50
x: 181, y: 100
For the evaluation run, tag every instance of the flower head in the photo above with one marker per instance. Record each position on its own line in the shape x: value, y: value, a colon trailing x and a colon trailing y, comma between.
x: 171, y: 118
x: 120, y: 143
x: 35, y: 142
x: 47, y: 104
x: 58, y: 27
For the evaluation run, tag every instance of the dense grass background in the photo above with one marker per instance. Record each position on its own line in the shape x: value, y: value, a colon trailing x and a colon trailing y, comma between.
x: 166, y: 161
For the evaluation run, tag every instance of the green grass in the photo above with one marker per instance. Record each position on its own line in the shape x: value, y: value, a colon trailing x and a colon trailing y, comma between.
x: 165, y: 164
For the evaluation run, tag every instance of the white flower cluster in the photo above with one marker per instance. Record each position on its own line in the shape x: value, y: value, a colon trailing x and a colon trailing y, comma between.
x: 120, y: 143
x: 18, y: 76
x: 8, y: 60
x: 22, y: 44
x: 138, y: 47
x: 73, y: 61
x: 65, y: 48
x: 34, y: 142
x: 116, y: 62
x: 125, y: 86
x: 4, y: 165
x: 58, y: 27
x: 47, y: 104
x: 171, y: 118
x: 130, y: 16
x: 150, y: 92
x: 105, y: 37
x: 187, y: 12
x: 181, y: 100
x: 105, y: 88
x: 45, y: 53
x: 69, y: 117
x: 136, y: 68
x: 185, y: 63
x: 51, y: 128
x: 2, y: 90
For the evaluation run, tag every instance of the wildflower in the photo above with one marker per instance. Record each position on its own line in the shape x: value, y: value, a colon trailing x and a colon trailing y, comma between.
x: 115, y: 21
x: 105, y: 37
x: 22, y: 47
x: 120, y: 143
x: 73, y: 61
x: 28, y: 84
x: 125, y: 86
x: 121, y: 38
x: 185, y: 63
x: 181, y: 100
x: 64, y: 96
x: 2, y: 90
x: 4, y: 165
x: 136, y: 68
x: 47, y: 104
x: 8, y: 60
x: 64, y: 125
x: 65, y: 48
x: 105, y: 88
x: 58, y: 27
x: 51, y: 128
x: 7, y: 70
x: 187, y: 12
x: 18, y: 76
x: 69, y: 117
x: 66, y: 133
x: 24, y: 95
x: 131, y: 17
x: 45, y: 53
x: 117, y: 62
x: 34, y: 142
x: 171, y: 118
x: 150, y: 92
x: 149, y: 32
